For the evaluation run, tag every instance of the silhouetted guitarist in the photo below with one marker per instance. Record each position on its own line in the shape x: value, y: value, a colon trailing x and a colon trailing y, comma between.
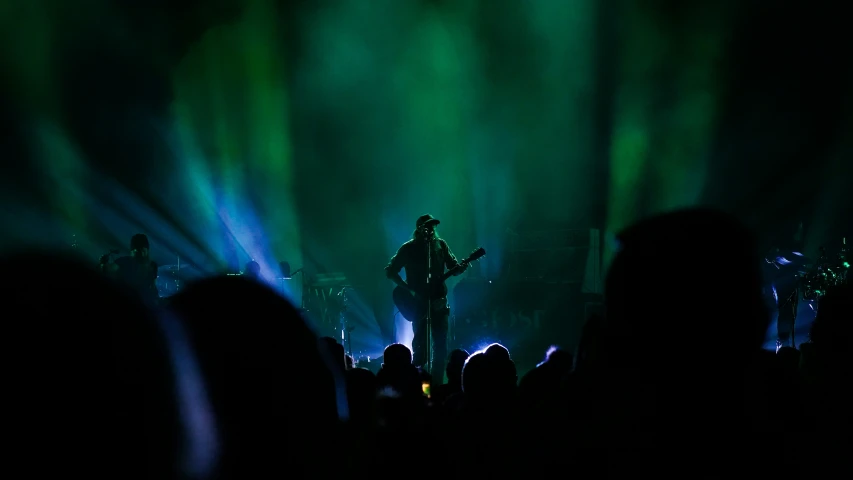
x: 137, y: 271
x: 425, y: 257
x: 784, y: 261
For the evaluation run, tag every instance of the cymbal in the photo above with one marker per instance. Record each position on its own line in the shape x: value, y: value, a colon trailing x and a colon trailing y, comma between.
x: 785, y: 258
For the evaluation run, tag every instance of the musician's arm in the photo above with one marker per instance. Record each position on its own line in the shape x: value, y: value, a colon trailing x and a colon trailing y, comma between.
x: 450, y: 260
x: 398, y: 261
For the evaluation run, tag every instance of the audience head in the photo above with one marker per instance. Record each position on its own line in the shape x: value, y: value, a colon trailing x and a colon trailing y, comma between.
x: 668, y: 269
x: 455, y: 364
x: 558, y: 358
x: 497, y: 351
x: 505, y: 367
x: 676, y: 279
x: 489, y: 378
x: 477, y: 376
x: 262, y: 401
x: 397, y: 355
x: 336, y: 351
x: 89, y: 375
x: 398, y: 372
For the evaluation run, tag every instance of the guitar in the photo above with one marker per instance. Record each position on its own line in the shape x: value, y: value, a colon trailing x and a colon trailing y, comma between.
x: 406, y: 301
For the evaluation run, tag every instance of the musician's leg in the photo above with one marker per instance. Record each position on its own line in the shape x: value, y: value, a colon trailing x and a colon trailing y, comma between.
x: 786, y: 313
x: 419, y: 349
x: 439, y: 342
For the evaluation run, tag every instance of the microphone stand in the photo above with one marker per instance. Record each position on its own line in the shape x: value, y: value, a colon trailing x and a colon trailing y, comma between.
x: 304, y: 284
x: 429, y: 306
x: 793, y: 303
x: 346, y: 341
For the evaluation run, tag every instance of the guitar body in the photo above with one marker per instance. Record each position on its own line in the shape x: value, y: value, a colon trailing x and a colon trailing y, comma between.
x: 407, y: 303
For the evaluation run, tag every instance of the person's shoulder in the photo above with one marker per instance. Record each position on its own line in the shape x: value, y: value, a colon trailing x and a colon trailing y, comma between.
x: 407, y: 245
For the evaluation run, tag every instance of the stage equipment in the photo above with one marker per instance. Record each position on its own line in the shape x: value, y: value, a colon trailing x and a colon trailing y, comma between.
x: 560, y: 256
x: 826, y: 273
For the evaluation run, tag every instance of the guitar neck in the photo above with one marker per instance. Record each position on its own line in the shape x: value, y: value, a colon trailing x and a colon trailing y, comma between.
x: 449, y: 273
x: 464, y: 263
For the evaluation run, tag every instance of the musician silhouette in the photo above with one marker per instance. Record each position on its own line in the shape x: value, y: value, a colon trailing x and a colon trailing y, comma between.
x: 785, y: 261
x: 137, y: 270
x: 425, y: 258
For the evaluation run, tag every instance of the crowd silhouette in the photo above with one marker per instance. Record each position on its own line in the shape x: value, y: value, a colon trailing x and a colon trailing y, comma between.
x: 229, y: 381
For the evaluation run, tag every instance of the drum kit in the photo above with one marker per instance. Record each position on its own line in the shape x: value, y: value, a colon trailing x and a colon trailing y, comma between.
x: 826, y: 273
x: 169, y: 280
x: 806, y: 280
x: 172, y: 278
